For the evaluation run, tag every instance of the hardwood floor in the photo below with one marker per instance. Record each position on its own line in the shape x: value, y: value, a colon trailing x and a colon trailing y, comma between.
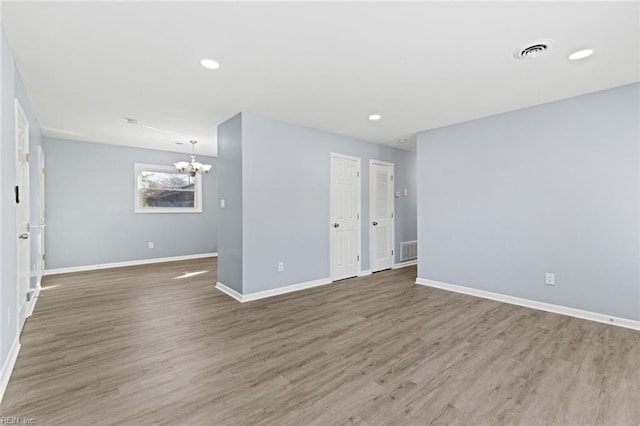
x: 138, y: 346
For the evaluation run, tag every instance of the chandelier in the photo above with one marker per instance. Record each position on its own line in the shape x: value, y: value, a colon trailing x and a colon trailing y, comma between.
x: 192, y: 167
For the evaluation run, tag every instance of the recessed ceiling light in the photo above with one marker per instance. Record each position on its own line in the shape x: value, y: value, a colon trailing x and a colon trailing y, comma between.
x: 581, y: 54
x: 375, y: 117
x: 210, y: 63
x: 402, y: 140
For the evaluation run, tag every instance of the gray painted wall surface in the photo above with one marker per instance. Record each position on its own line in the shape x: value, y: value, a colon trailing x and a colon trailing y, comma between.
x: 11, y: 87
x: 406, y: 208
x: 89, y: 197
x: 552, y: 188
x: 230, y: 189
x: 286, y: 171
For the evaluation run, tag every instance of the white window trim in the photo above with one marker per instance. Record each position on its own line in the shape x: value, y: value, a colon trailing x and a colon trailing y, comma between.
x: 139, y: 167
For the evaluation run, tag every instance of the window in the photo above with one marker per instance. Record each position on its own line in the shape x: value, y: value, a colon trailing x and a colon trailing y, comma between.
x: 161, y: 189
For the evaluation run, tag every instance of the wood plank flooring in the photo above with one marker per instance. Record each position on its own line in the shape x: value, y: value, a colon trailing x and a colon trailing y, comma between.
x: 138, y: 346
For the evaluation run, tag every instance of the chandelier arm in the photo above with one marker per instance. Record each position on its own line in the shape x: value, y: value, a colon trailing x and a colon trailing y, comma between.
x: 193, y: 167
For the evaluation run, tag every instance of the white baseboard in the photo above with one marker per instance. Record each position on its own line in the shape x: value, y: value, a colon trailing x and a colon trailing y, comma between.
x: 229, y: 291
x: 364, y: 273
x: 127, y: 263
x: 557, y: 309
x: 10, y: 362
x: 270, y: 293
x: 34, y: 300
x: 7, y: 366
x: 405, y: 264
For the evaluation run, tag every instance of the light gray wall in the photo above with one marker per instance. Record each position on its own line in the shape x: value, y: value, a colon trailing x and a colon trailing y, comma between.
x: 405, y: 206
x: 286, y: 171
x: 11, y: 87
x: 230, y: 172
x: 552, y: 188
x: 89, y: 197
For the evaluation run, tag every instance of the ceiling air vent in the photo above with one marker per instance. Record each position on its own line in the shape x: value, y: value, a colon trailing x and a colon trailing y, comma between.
x: 533, y: 50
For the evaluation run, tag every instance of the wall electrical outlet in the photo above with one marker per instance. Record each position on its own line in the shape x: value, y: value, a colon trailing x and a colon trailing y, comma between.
x: 222, y: 203
x: 549, y: 278
x: 280, y: 266
x: 151, y: 245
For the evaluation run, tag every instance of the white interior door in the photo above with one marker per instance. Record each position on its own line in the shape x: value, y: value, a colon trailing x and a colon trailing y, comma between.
x: 41, y: 213
x: 22, y: 210
x: 381, y: 223
x: 345, y: 217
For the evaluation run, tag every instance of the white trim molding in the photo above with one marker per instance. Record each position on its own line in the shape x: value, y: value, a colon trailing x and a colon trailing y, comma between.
x: 34, y: 300
x: 273, y: 292
x: 127, y: 263
x: 364, y: 273
x: 405, y: 264
x: 548, y: 307
x: 229, y: 291
x: 7, y: 367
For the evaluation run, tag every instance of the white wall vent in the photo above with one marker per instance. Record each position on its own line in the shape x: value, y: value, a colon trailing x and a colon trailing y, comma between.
x: 408, y: 250
x: 534, y: 49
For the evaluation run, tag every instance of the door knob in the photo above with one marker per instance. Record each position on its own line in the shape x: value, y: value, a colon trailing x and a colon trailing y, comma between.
x: 374, y: 223
x: 24, y: 236
x: 336, y: 225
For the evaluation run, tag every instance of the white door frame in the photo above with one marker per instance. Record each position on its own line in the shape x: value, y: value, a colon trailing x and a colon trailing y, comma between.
x: 359, y: 202
x: 22, y: 183
x: 393, y: 211
x: 41, y: 213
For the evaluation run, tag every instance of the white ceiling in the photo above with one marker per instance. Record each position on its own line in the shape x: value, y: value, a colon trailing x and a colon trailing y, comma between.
x: 324, y: 65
